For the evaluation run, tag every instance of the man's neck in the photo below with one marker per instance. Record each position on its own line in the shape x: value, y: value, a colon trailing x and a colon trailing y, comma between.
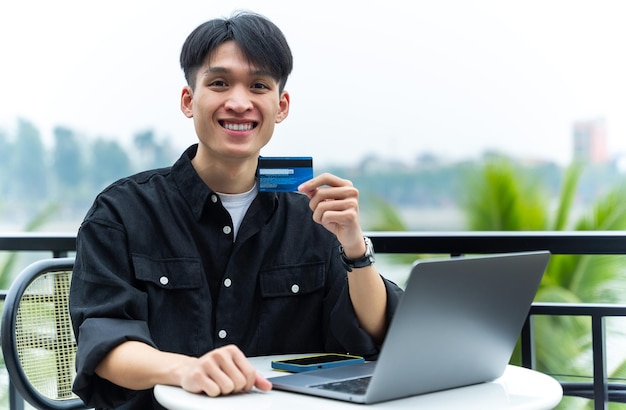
x: 226, y: 177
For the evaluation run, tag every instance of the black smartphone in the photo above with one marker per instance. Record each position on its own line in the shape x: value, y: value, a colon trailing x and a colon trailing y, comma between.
x: 318, y: 361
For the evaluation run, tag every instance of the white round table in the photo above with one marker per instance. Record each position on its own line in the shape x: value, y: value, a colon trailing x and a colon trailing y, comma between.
x: 518, y: 388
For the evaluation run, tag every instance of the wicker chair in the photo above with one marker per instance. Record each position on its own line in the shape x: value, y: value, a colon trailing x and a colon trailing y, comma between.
x: 37, y: 339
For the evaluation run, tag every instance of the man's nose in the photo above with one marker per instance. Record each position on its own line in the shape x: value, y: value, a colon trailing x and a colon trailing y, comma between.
x: 238, y: 99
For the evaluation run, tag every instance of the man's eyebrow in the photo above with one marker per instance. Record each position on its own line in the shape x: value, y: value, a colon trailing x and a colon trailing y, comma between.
x: 262, y: 73
x: 216, y: 70
x: 224, y: 70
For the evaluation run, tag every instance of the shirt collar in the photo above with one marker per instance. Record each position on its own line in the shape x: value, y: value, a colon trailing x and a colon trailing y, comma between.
x: 197, y: 194
x: 189, y: 183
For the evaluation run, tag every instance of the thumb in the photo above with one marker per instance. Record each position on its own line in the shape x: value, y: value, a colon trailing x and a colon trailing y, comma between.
x: 262, y: 383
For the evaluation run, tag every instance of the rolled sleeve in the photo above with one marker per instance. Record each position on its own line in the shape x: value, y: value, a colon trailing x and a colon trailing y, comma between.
x: 106, y: 310
x: 97, y: 337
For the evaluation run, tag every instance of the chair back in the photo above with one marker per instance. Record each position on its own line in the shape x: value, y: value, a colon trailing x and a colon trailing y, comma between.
x: 38, y: 342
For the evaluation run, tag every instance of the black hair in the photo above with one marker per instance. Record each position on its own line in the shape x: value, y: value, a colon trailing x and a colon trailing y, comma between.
x: 260, y: 40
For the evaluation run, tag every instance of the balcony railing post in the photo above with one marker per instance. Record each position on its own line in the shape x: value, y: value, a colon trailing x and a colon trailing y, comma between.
x: 527, y: 345
x: 600, y: 382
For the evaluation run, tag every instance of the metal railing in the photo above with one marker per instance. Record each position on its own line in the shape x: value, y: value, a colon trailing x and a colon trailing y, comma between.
x: 455, y: 244
x: 600, y: 390
x: 59, y: 244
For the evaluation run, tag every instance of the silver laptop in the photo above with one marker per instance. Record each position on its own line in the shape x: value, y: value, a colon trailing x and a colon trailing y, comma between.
x: 456, y: 325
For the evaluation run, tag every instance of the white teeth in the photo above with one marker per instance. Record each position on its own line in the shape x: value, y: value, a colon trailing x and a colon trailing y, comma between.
x: 238, y: 127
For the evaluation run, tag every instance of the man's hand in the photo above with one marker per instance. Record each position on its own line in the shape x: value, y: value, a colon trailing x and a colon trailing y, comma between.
x: 222, y: 371
x: 138, y: 366
x: 335, y: 205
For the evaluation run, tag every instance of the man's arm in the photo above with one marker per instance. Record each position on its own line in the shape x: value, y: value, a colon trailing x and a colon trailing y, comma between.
x: 138, y: 366
x: 336, y: 207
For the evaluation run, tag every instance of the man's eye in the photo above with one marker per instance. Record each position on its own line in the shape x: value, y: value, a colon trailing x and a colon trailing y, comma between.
x: 218, y: 83
x: 259, y: 86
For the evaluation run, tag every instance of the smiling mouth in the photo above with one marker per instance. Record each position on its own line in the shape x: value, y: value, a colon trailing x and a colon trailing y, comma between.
x: 232, y: 126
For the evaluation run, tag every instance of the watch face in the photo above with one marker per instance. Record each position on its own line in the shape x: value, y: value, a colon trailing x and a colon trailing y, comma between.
x: 370, y: 247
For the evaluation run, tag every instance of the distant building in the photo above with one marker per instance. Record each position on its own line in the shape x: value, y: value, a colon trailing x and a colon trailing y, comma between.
x: 590, y: 141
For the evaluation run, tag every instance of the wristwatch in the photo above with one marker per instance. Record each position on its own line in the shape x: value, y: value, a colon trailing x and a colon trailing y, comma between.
x: 366, y: 260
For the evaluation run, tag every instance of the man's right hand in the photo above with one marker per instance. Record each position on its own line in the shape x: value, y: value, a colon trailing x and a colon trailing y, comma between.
x: 222, y: 371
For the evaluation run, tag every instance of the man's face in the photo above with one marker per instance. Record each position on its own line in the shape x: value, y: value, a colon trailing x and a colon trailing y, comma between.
x: 234, y: 105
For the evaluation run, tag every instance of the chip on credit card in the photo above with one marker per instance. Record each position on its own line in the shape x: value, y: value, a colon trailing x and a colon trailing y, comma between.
x: 283, y: 174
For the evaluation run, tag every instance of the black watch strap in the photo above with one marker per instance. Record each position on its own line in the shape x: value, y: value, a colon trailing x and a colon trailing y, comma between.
x: 366, y: 260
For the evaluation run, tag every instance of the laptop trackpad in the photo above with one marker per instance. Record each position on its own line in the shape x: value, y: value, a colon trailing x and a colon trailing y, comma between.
x: 316, y: 377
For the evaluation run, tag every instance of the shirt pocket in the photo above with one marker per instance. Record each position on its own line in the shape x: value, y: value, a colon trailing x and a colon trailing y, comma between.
x: 291, y: 311
x: 173, y: 273
x: 177, y: 302
x: 292, y: 280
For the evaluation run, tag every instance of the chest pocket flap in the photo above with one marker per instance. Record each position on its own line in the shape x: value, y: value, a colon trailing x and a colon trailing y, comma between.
x: 174, y: 273
x: 292, y: 280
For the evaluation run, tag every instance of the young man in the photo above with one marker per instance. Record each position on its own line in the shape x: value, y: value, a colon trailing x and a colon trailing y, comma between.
x: 182, y: 272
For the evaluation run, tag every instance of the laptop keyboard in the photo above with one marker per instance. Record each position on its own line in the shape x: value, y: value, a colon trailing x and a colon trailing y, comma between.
x: 353, y: 386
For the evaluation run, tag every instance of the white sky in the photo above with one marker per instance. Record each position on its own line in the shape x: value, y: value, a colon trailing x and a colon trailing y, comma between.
x: 393, y: 77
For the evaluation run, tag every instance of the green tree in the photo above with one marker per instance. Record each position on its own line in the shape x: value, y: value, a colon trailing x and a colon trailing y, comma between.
x: 109, y: 162
x: 152, y: 154
x: 5, y: 156
x: 28, y: 166
x: 67, y: 161
x: 498, y: 200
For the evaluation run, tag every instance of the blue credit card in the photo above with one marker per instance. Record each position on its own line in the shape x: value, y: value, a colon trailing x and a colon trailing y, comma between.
x: 283, y: 174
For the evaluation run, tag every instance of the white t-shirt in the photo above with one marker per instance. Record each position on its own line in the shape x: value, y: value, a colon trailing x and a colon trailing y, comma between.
x: 237, y: 205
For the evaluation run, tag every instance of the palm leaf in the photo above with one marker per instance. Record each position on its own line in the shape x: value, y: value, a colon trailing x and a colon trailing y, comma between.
x: 501, y: 201
x: 567, y: 195
x: 591, y: 272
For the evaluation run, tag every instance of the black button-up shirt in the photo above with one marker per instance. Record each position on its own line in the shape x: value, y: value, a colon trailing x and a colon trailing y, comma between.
x: 156, y: 262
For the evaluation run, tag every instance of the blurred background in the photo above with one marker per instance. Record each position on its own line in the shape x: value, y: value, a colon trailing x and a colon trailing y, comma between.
x: 447, y: 115
x: 400, y: 99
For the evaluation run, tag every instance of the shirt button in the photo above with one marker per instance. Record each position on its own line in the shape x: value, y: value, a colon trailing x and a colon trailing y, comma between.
x: 227, y: 229
x: 164, y: 280
x: 214, y: 198
x: 228, y: 282
x: 222, y: 334
x: 295, y: 288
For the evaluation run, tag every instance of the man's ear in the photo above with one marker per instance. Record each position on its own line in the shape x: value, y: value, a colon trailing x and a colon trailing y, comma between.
x: 283, y: 105
x: 186, y: 101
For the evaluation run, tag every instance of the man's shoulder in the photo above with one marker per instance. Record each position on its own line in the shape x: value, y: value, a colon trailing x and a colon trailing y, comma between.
x: 139, y: 179
x: 128, y: 195
x: 133, y: 189
x: 145, y: 176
